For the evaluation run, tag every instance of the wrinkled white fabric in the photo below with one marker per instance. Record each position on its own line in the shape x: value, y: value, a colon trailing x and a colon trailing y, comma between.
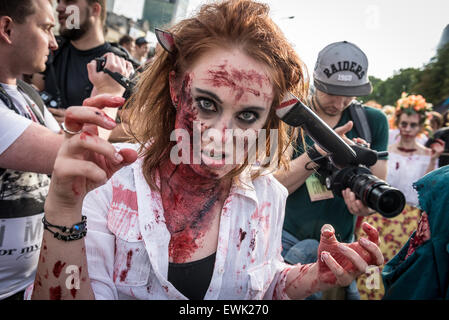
x: 127, y: 241
x: 404, y: 170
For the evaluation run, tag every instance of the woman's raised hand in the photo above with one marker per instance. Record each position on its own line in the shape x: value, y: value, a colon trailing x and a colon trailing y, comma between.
x: 85, y: 161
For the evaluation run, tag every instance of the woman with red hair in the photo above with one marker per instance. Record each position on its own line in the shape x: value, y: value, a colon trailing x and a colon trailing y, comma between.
x: 176, y: 216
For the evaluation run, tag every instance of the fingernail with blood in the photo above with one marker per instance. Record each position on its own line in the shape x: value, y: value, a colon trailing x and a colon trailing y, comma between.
x: 364, y: 241
x: 118, y: 158
x: 327, y: 232
x: 324, y: 255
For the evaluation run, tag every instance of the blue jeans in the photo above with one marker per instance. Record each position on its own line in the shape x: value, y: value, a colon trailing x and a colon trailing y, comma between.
x: 306, y: 251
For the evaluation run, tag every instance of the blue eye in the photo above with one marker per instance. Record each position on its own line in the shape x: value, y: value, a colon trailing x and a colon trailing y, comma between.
x: 206, y: 105
x: 248, y: 117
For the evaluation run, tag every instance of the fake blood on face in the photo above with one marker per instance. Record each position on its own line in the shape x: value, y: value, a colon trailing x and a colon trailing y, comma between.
x: 239, y: 81
x: 187, y: 210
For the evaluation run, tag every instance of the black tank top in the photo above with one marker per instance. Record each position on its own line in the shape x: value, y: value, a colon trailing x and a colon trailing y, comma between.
x: 192, y: 279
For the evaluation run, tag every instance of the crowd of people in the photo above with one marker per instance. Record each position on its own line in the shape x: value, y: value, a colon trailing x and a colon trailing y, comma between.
x: 134, y: 197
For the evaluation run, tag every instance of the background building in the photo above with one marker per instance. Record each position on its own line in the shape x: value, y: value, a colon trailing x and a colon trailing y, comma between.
x: 140, y: 17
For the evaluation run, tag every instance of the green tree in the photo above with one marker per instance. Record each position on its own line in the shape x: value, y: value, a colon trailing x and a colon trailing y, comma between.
x: 388, y: 91
x: 434, y: 80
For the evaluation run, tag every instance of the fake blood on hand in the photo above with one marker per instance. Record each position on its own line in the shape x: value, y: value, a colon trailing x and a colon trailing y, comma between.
x: 330, y: 244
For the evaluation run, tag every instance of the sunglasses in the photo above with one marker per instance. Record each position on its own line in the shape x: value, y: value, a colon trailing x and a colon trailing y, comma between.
x: 404, y: 124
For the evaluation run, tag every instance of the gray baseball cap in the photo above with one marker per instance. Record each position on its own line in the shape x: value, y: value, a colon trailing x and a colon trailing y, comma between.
x: 342, y: 69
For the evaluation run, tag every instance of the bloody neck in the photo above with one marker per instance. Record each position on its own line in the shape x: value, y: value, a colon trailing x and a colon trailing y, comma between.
x: 191, y: 203
x: 407, y: 144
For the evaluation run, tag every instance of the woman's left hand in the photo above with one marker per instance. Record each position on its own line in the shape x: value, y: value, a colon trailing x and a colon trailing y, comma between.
x: 340, y: 263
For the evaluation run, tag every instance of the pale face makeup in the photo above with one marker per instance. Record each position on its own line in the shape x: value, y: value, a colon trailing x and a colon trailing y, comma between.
x: 224, y: 95
x: 409, y: 126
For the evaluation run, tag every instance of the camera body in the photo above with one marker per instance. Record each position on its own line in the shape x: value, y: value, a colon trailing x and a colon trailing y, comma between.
x: 372, y: 191
x: 344, y: 166
x: 128, y: 84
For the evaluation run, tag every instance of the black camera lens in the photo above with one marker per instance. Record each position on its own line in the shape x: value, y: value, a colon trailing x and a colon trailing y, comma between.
x: 377, y: 194
x: 388, y: 201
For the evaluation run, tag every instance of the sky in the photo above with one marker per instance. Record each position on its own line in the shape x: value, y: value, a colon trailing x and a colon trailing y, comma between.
x: 394, y: 34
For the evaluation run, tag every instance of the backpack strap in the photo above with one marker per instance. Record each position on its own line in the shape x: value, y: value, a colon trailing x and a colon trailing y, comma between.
x: 361, y: 125
x: 29, y: 90
x: 30, y: 94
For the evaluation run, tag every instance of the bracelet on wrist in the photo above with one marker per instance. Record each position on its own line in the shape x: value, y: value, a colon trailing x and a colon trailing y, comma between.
x: 75, y: 232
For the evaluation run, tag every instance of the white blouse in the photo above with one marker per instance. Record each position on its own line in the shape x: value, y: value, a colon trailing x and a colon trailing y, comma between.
x: 403, y: 171
x: 127, y: 241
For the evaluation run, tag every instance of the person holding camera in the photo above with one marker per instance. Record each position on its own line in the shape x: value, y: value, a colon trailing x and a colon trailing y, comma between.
x: 340, y: 75
x: 65, y: 81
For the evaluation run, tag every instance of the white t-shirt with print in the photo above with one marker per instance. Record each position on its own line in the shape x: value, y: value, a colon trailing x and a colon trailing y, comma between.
x: 21, y: 199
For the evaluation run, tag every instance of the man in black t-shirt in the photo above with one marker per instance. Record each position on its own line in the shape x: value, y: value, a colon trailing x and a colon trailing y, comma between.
x: 66, y: 77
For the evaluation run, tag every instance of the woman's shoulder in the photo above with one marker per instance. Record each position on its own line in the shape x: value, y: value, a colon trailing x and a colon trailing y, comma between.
x: 266, y: 185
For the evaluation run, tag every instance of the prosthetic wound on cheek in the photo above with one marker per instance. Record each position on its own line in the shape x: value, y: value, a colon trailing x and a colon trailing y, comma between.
x: 344, y: 166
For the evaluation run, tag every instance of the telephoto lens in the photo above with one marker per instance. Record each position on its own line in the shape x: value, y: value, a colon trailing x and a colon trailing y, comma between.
x: 378, y: 195
x: 373, y: 192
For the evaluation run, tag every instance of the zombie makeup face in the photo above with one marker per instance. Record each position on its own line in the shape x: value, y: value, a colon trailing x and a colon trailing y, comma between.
x: 409, y: 126
x: 225, y: 96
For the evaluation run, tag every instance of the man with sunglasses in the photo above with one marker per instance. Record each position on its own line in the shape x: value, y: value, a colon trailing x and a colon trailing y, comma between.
x: 340, y: 76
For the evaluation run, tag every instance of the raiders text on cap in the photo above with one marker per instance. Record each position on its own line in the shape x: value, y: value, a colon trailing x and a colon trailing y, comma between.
x: 345, y: 66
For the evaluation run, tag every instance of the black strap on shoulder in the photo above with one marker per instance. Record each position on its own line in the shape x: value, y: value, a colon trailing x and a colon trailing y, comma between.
x: 29, y: 90
x: 32, y: 94
x: 361, y: 124
x: 7, y: 99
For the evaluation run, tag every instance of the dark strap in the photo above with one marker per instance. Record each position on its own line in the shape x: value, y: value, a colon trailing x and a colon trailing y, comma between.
x: 4, y: 96
x: 361, y: 124
x: 31, y: 93
x: 29, y: 90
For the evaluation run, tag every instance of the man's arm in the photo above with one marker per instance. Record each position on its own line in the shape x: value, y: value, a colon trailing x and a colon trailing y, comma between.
x: 35, y: 150
x: 301, y: 168
x: 297, y: 174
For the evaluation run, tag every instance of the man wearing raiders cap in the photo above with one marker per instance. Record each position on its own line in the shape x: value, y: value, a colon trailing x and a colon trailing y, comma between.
x: 340, y: 76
